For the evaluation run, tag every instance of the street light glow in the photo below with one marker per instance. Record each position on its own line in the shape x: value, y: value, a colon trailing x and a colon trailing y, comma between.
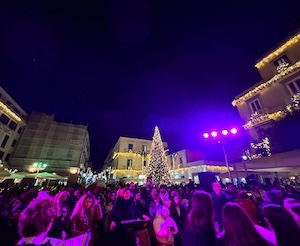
x: 214, y: 134
x: 225, y: 132
x: 233, y: 130
x: 206, y: 135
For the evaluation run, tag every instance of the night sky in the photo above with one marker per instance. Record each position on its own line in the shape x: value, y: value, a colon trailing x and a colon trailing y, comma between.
x: 124, y: 66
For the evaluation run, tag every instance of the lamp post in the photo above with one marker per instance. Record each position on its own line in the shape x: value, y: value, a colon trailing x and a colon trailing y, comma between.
x: 39, y: 167
x: 224, y: 133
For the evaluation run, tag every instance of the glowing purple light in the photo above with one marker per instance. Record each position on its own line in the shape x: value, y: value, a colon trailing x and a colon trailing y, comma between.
x: 206, y: 135
x: 225, y: 132
x: 233, y: 131
x: 214, y: 134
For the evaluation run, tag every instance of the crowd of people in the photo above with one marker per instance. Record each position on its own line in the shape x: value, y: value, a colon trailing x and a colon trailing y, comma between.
x: 176, y: 215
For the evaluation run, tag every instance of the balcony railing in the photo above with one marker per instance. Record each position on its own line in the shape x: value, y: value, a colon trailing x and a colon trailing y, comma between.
x: 256, y: 118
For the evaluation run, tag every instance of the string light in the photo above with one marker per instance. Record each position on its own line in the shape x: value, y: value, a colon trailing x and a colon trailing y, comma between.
x: 278, y: 51
x: 158, y: 168
x: 10, y: 113
x: 262, y: 86
x: 130, y: 154
x: 204, y: 168
x: 256, y: 118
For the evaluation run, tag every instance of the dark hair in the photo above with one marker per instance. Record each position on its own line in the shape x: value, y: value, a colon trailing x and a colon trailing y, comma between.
x: 283, y: 224
x: 272, y: 196
x: 202, y: 212
x: 243, y: 194
x: 239, y: 230
x: 36, y: 218
x: 109, y: 200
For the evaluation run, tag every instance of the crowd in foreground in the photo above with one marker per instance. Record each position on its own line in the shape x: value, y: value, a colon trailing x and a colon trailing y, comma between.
x: 176, y: 215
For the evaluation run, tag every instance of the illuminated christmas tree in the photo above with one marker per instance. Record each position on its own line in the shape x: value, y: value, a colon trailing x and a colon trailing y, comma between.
x: 158, y: 168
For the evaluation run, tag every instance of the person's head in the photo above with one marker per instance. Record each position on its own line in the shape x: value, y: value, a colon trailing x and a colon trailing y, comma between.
x: 167, y: 203
x: 202, y: 212
x: 230, y: 186
x: 282, y: 223
x: 217, y: 188
x: 238, y: 227
x: 77, y: 193
x: 111, y: 197
x: 131, y: 186
x: 137, y: 195
x: 153, y: 191
x: 164, y: 212
x: 15, y: 212
x: 177, y: 199
x: 157, y: 199
x: 38, y: 217
x: 62, y: 196
x: 85, y: 202
x: 88, y: 201
x: 289, y: 189
x: 243, y: 195
x: 163, y: 189
x: 271, y: 197
x: 125, y: 193
x: 256, y: 188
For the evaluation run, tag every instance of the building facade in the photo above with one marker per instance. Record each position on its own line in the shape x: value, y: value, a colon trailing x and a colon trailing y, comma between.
x: 63, y: 147
x: 13, y: 119
x: 271, y: 98
x: 128, y: 159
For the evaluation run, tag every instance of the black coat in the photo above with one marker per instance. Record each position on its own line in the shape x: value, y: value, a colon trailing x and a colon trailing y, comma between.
x: 201, y: 236
x: 218, y: 204
x: 124, y: 210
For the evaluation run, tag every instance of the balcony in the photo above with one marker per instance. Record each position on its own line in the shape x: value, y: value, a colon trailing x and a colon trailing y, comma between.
x: 257, y: 119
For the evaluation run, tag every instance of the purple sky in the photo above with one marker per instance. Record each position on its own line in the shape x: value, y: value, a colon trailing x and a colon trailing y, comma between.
x: 124, y: 66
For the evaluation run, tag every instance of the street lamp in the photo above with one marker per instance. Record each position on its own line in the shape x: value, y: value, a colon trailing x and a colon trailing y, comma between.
x: 224, y: 133
x: 39, y: 167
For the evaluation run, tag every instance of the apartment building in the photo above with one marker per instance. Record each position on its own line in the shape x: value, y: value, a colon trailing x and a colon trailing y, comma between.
x: 13, y: 119
x: 271, y: 98
x: 129, y: 158
x: 63, y: 147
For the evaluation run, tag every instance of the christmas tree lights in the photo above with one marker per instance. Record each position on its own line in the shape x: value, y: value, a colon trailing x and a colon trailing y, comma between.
x: 158, y: 168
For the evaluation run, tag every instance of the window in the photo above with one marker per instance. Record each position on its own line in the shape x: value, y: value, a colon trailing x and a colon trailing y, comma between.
x: 282, y: 63
x: 4, y: 141
x: 255, y: 106
x: 8, y: 103
x: 12, y: 125
x: 145, y: 163
x: 130, y: 146
x: 14, y: 143
x: 144, y: 148
x: 180, y: 160
x: 16, y: 110
x: 20, y: 130
x: 7, y: 157
x: 4, y: 119
x: 1, y: 154
x: 294, y: 86
x: 129, y: 164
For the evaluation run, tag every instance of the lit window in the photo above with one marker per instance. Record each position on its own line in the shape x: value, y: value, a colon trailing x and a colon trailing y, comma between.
x: 255, y: 106
x: 129, y: 164
x: 144, y: 148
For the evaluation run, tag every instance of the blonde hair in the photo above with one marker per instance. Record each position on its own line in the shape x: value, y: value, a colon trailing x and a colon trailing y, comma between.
x: 79, y: 209
x: 60, y: 194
